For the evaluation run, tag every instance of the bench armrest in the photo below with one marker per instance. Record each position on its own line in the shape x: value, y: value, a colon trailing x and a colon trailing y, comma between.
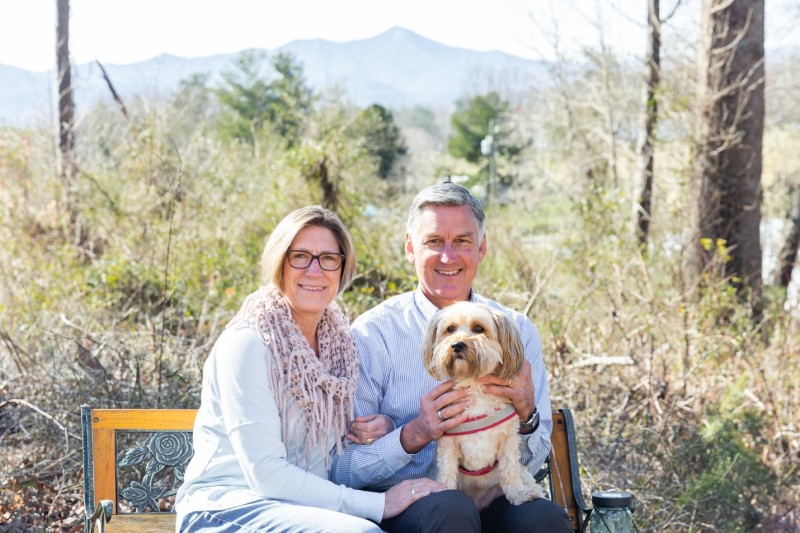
x: 101, y: 516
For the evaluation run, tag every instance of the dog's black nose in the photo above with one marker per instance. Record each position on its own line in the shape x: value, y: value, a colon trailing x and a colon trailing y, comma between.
x: 458, y: 347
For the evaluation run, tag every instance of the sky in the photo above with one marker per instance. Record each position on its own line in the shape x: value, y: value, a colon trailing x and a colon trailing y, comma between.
x: 127, y: 31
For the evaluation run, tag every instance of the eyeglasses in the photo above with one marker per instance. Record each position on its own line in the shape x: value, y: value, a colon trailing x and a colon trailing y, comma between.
x: 327, y: 261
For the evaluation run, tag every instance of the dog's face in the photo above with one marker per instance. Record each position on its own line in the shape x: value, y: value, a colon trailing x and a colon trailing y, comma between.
x: 469, y: 340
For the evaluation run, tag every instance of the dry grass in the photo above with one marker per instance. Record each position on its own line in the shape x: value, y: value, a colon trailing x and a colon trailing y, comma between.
x: 678, y: 399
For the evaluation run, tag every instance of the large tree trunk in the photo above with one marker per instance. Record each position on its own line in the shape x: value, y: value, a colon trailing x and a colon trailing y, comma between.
x: 66, y: 108
x: 644, y: 149
x: 728, y: 160
x: 66, y: 119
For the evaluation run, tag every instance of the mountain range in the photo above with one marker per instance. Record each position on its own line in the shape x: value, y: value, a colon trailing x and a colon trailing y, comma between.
x: 397, y: 68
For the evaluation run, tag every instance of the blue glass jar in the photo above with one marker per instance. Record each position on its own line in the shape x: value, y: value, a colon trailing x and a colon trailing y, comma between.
x: 611, y: 513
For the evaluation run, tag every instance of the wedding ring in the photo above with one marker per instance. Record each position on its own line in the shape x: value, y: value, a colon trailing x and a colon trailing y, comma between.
x: 369, y: 441
x: 509, y: 383
x: 439, y: 414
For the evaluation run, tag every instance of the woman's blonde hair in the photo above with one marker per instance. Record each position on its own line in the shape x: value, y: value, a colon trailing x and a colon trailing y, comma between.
x: 286, y: 231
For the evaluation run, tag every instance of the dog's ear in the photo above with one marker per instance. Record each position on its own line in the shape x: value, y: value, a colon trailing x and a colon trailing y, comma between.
x: 429, y: 343
x: 509, y: 338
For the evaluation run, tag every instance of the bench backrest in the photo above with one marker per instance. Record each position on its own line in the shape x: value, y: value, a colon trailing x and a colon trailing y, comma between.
x: 101, y: 468
x: 166, y: 450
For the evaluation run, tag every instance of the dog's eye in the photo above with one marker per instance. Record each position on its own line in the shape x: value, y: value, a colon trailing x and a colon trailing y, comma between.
x: 451, y: 329
x: 477, y: 329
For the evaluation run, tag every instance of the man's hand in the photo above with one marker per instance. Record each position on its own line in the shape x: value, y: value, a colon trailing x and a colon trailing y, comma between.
x: 440, y: 409
x: 519, y: 390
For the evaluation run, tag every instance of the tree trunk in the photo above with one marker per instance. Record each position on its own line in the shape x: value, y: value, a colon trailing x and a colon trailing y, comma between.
x: 66, y: 116
x: 788, y: 255
x: 728, y: 161
x: 66, y: 108
x: 644, y: 149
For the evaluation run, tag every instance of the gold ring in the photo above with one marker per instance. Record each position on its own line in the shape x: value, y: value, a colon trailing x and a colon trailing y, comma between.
x: 509, y: 383
x: 369, y: 441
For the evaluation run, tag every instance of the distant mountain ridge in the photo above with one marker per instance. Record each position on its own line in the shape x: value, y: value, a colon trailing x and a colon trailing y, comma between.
x: 396, y: 68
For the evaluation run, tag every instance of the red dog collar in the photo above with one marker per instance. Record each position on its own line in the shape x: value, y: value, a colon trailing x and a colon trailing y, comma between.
x: 482, y: 423
x: 482, y: 471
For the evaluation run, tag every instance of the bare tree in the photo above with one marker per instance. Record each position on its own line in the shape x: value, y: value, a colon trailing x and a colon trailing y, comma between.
x: 66, y: 108
x: 644, y: 145
x: 644, y: 148
x: 727, y: 168
x: 66, y: 111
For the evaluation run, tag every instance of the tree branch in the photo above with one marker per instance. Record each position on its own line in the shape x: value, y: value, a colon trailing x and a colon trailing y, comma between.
x: 113, y: 91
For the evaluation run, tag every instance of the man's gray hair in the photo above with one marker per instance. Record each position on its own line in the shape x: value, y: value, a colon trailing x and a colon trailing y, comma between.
x: 445, y: 194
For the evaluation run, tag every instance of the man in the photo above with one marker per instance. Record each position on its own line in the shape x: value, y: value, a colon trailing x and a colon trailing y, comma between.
x: 446, y: 241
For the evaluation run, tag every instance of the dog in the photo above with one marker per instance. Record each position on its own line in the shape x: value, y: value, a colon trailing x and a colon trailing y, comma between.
x: 466, y: 341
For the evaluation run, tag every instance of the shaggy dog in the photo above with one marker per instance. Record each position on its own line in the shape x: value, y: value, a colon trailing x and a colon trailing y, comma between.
x: 464, y: 342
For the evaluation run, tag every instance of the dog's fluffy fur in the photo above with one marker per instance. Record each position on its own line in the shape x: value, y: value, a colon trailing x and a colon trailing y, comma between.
x: 466, y: 341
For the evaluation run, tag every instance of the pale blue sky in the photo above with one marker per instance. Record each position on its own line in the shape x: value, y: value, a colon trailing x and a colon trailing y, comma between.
x: 126, y: 31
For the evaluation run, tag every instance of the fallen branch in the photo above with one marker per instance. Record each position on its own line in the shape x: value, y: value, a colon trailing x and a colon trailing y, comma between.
x: 29, y: 405
x: 604, y: 360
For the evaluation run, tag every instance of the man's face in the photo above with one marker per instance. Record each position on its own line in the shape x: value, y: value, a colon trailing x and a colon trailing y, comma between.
x: 446, y: 250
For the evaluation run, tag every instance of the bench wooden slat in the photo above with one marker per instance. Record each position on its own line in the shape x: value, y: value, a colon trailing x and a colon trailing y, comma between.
x: 144, y: 419
x: 139, y: 523
x: 105, y: 465
x: 565, y: 485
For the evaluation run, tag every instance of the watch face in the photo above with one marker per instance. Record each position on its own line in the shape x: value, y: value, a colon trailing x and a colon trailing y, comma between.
x: 530, y: 425
x: 532, y: 422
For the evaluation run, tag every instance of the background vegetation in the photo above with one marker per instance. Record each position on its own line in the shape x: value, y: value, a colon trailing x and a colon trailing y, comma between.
x: 115, y: 300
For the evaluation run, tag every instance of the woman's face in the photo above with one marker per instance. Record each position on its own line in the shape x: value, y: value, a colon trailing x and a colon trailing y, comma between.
x: 310, y: 290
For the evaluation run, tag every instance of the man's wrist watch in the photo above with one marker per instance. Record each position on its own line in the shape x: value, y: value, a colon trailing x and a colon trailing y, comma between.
x: 531, y: 424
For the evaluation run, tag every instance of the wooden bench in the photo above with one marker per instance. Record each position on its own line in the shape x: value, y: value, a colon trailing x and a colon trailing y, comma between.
x: 134, y: 460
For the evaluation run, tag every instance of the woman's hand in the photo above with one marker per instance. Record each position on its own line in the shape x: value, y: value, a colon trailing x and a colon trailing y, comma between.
x: 367, y: 429
x: 399, y: 497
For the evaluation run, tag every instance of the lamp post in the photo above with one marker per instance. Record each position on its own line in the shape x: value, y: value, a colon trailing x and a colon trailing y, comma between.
x: 488, y: 150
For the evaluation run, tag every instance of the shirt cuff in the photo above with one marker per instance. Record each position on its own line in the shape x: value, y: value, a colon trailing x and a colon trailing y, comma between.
x: 392, y: 451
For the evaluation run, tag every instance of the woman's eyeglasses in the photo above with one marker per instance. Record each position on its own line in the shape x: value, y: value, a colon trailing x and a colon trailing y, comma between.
x: 327, y: 261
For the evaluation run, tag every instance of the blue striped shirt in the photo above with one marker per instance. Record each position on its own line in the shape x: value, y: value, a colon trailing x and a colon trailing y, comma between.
x: 392, y: 380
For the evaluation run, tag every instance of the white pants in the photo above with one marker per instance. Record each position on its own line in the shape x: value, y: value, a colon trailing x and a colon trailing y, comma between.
x: 272, y: 516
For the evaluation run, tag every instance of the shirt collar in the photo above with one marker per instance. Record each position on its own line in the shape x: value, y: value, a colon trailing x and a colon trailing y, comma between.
x: 427, y: 307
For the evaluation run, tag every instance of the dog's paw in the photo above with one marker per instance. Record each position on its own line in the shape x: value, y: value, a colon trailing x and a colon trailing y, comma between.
x: 450, y: 482
x: 537, y: 492
x: 519, y: 495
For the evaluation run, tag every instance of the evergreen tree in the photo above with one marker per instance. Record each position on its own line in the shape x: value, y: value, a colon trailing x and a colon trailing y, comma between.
x: 380, y: 137
x: 476, y: 119
x: 471, y: 122
x: 254, y: 103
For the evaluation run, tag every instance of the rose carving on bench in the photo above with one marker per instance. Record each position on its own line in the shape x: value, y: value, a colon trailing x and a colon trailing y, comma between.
x: 164, y: 450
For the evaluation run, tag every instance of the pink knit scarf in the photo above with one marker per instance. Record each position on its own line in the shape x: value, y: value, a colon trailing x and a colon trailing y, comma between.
x: 321, y: 386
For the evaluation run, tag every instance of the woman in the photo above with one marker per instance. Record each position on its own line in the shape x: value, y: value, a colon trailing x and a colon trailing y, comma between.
x: 277, y: 397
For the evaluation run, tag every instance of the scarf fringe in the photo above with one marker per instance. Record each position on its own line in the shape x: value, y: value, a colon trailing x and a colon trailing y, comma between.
x: 321, y: 386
